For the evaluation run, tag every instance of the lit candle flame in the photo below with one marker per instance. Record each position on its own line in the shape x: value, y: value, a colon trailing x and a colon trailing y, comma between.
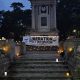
x: 57, y: 60
x: 5, y: 73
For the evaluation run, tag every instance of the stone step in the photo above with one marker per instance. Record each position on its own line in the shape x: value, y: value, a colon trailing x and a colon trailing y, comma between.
x: 39, y: 69
x: 41, y: 52
x: 25, y: 59
x: 39, y: 75
x: 46, y: 53
x: 40, y: 56
x: 39, y: 61
x: 21, y: 78
x: 40, y: 66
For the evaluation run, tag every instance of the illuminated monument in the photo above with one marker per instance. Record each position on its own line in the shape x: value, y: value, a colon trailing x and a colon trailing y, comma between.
x: 44, y: 16
x: 44, y: 31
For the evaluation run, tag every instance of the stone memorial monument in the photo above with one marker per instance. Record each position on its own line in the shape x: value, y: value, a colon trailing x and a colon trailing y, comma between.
x: 44, y: 31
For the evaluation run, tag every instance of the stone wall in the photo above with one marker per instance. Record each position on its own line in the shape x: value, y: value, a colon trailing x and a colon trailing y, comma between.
x: 12, y: 48
x: 8, y: 52
x: 20, y: 48
x: 4, y: 64
x: 8, y: 47
x: 71, y: 56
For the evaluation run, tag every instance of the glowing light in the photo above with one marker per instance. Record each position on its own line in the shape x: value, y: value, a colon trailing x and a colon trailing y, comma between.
x: 57, y: 60
x: 3, y: 38
x: 67, y: 74
x: 70, y: 49
x: 5, y: 73
x: 17, y: 54
x: 5, y: 48
x: 60, y: 50
x: 74, y: 30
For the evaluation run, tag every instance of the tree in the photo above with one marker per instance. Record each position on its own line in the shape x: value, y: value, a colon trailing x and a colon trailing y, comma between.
x: 1, y: 18
x: 6, y: 24
x: 68, y: 16
x: 17, y: 6
x: 16, y: 23
x: 27, y: 19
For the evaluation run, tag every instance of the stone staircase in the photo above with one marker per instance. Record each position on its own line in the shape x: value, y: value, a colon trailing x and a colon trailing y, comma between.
x: 38, y: 66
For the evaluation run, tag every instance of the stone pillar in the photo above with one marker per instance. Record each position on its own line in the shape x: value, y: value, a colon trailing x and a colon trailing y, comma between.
x: 54, y: 15
x: 33, y: 17
x: 36, y: 17
x: 49, y: 16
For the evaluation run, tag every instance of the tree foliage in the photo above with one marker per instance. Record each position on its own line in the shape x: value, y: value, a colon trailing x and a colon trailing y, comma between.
x: 17, y: 6
x: 68, y: 16
x: 16, y: 22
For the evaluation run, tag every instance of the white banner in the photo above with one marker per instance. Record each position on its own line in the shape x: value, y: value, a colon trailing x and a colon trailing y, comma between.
x: 41, y: 40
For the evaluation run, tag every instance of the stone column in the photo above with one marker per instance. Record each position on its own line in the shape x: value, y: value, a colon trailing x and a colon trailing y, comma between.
x: 49, y: 16
x: 36, y: 17
x: 54, y: 15
x: 33, y: 17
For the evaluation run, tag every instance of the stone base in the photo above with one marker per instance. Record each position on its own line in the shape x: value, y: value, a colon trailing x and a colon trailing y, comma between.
x: 33, y: 33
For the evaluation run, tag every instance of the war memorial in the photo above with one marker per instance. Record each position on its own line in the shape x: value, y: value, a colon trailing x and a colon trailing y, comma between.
x: 40, y: 56
x: 44, y: 30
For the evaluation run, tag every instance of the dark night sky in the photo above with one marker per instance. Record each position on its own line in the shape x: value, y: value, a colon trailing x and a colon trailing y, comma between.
x: 5, y: 4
